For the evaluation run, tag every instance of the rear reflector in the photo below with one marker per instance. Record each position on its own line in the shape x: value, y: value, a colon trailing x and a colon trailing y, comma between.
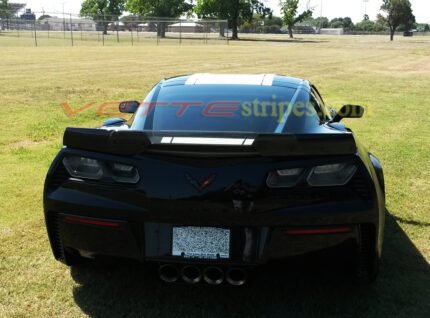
x: 91, y: 221
x: 319, y: 231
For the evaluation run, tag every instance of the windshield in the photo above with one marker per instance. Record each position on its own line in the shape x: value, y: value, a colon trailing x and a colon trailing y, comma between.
x: 226, y: 108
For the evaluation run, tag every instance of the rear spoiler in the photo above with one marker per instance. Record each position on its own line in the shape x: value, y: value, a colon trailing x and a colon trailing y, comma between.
x: 127, y: 142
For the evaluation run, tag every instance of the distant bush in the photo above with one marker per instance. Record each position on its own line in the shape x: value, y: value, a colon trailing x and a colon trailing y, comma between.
x: 365, y: 25
x: 269, y: 29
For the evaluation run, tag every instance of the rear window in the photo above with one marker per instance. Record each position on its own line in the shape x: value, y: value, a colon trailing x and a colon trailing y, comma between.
x: 217, y: 108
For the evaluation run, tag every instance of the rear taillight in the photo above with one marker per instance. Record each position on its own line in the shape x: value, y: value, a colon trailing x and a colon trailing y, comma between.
x: 92, y: 169
x: 82, y: 167
x: 337, y: 174
x: 284, y: 178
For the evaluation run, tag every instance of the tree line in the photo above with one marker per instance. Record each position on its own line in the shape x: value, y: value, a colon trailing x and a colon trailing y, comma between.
x: 240, y: 14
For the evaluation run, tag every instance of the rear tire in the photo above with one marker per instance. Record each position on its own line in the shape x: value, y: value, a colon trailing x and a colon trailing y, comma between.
x: 366, y: 265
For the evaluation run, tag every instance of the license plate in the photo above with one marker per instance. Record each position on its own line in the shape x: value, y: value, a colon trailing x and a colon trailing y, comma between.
x: 201, y: 242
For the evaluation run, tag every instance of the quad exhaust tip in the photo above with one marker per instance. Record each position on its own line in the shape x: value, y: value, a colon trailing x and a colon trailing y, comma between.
x: 168, y: 273
x: 191, y: 274
x: 236, y: 276
x: 212, y: 275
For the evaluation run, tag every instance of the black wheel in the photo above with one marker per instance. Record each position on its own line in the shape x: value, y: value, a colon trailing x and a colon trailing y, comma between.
x: 366, y: 265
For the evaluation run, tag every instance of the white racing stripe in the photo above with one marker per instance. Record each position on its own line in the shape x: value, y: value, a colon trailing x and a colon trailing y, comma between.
x: 268, y: 80
x: 230, y: 79
x: 193, y: 78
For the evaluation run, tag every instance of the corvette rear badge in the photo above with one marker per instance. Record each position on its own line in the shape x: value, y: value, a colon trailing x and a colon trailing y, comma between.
x: 200, y: 185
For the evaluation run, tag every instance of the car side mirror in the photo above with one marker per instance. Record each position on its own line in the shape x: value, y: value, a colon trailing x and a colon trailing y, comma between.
x: 349, y: 111
x: 129, y: 107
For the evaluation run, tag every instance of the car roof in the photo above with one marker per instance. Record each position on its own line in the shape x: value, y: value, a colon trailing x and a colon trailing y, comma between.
x: 237, y: 79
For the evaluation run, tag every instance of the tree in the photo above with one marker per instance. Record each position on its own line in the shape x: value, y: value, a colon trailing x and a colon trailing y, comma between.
x: 102, y: 11
x: 289, y: 10
x: 8, y: 10
x: 423, y: 27
x: 159, y: 9
x: 399, y: 12
x: 44, y: 16
x: 262, y: 25
x: 345, y: 23
x: 319, y: 22
x: 380, y: 23
x: 365, y: 25
x: 235, y: 11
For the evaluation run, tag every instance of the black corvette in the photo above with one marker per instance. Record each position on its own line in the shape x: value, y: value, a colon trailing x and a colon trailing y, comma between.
x: 214, y: 175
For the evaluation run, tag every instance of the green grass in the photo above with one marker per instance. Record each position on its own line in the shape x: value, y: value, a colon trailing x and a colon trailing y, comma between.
x: 391, y: 79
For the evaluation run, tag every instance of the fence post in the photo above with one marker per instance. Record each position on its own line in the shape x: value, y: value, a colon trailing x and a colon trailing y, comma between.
x: 104, y: 28
x: 180, y: 32
x: 117, y: 34
x: 103, y: 31
x: 64, y: 25
x: 35, y: 35
x: 159, y: 31
x: 71, y: 29
x: 132, y: 42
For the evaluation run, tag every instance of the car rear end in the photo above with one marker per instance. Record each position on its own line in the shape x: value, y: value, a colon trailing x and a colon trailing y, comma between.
x: 208, y: 205
x: 216, y: 210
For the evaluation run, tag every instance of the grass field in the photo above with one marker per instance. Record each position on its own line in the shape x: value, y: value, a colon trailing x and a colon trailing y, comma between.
x: 391, y: 79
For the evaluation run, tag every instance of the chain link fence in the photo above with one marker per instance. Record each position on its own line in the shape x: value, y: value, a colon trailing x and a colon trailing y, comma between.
x: 74, y: 30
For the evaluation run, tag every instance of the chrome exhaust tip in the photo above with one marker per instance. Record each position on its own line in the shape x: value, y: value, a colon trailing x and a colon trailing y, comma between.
x: 213, y: 275
x: 236, y: 276
x: 191, y: 274
x: 168, y: 273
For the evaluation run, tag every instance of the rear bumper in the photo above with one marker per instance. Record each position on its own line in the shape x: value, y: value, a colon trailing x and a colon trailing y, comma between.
x: 110, y: 230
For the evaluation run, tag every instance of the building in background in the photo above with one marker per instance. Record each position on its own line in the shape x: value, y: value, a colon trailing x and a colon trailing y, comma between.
x: 187, y: 27
x: 60, y: 24
x: 28, y: 15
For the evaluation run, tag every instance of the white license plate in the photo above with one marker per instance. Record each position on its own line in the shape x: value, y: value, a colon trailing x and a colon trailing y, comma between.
x: 201, y: 242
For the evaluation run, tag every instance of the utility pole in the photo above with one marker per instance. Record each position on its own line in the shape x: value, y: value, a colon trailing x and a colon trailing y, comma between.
x: 365, y: 7
x: 64, y: 21
x: 71, y: 28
